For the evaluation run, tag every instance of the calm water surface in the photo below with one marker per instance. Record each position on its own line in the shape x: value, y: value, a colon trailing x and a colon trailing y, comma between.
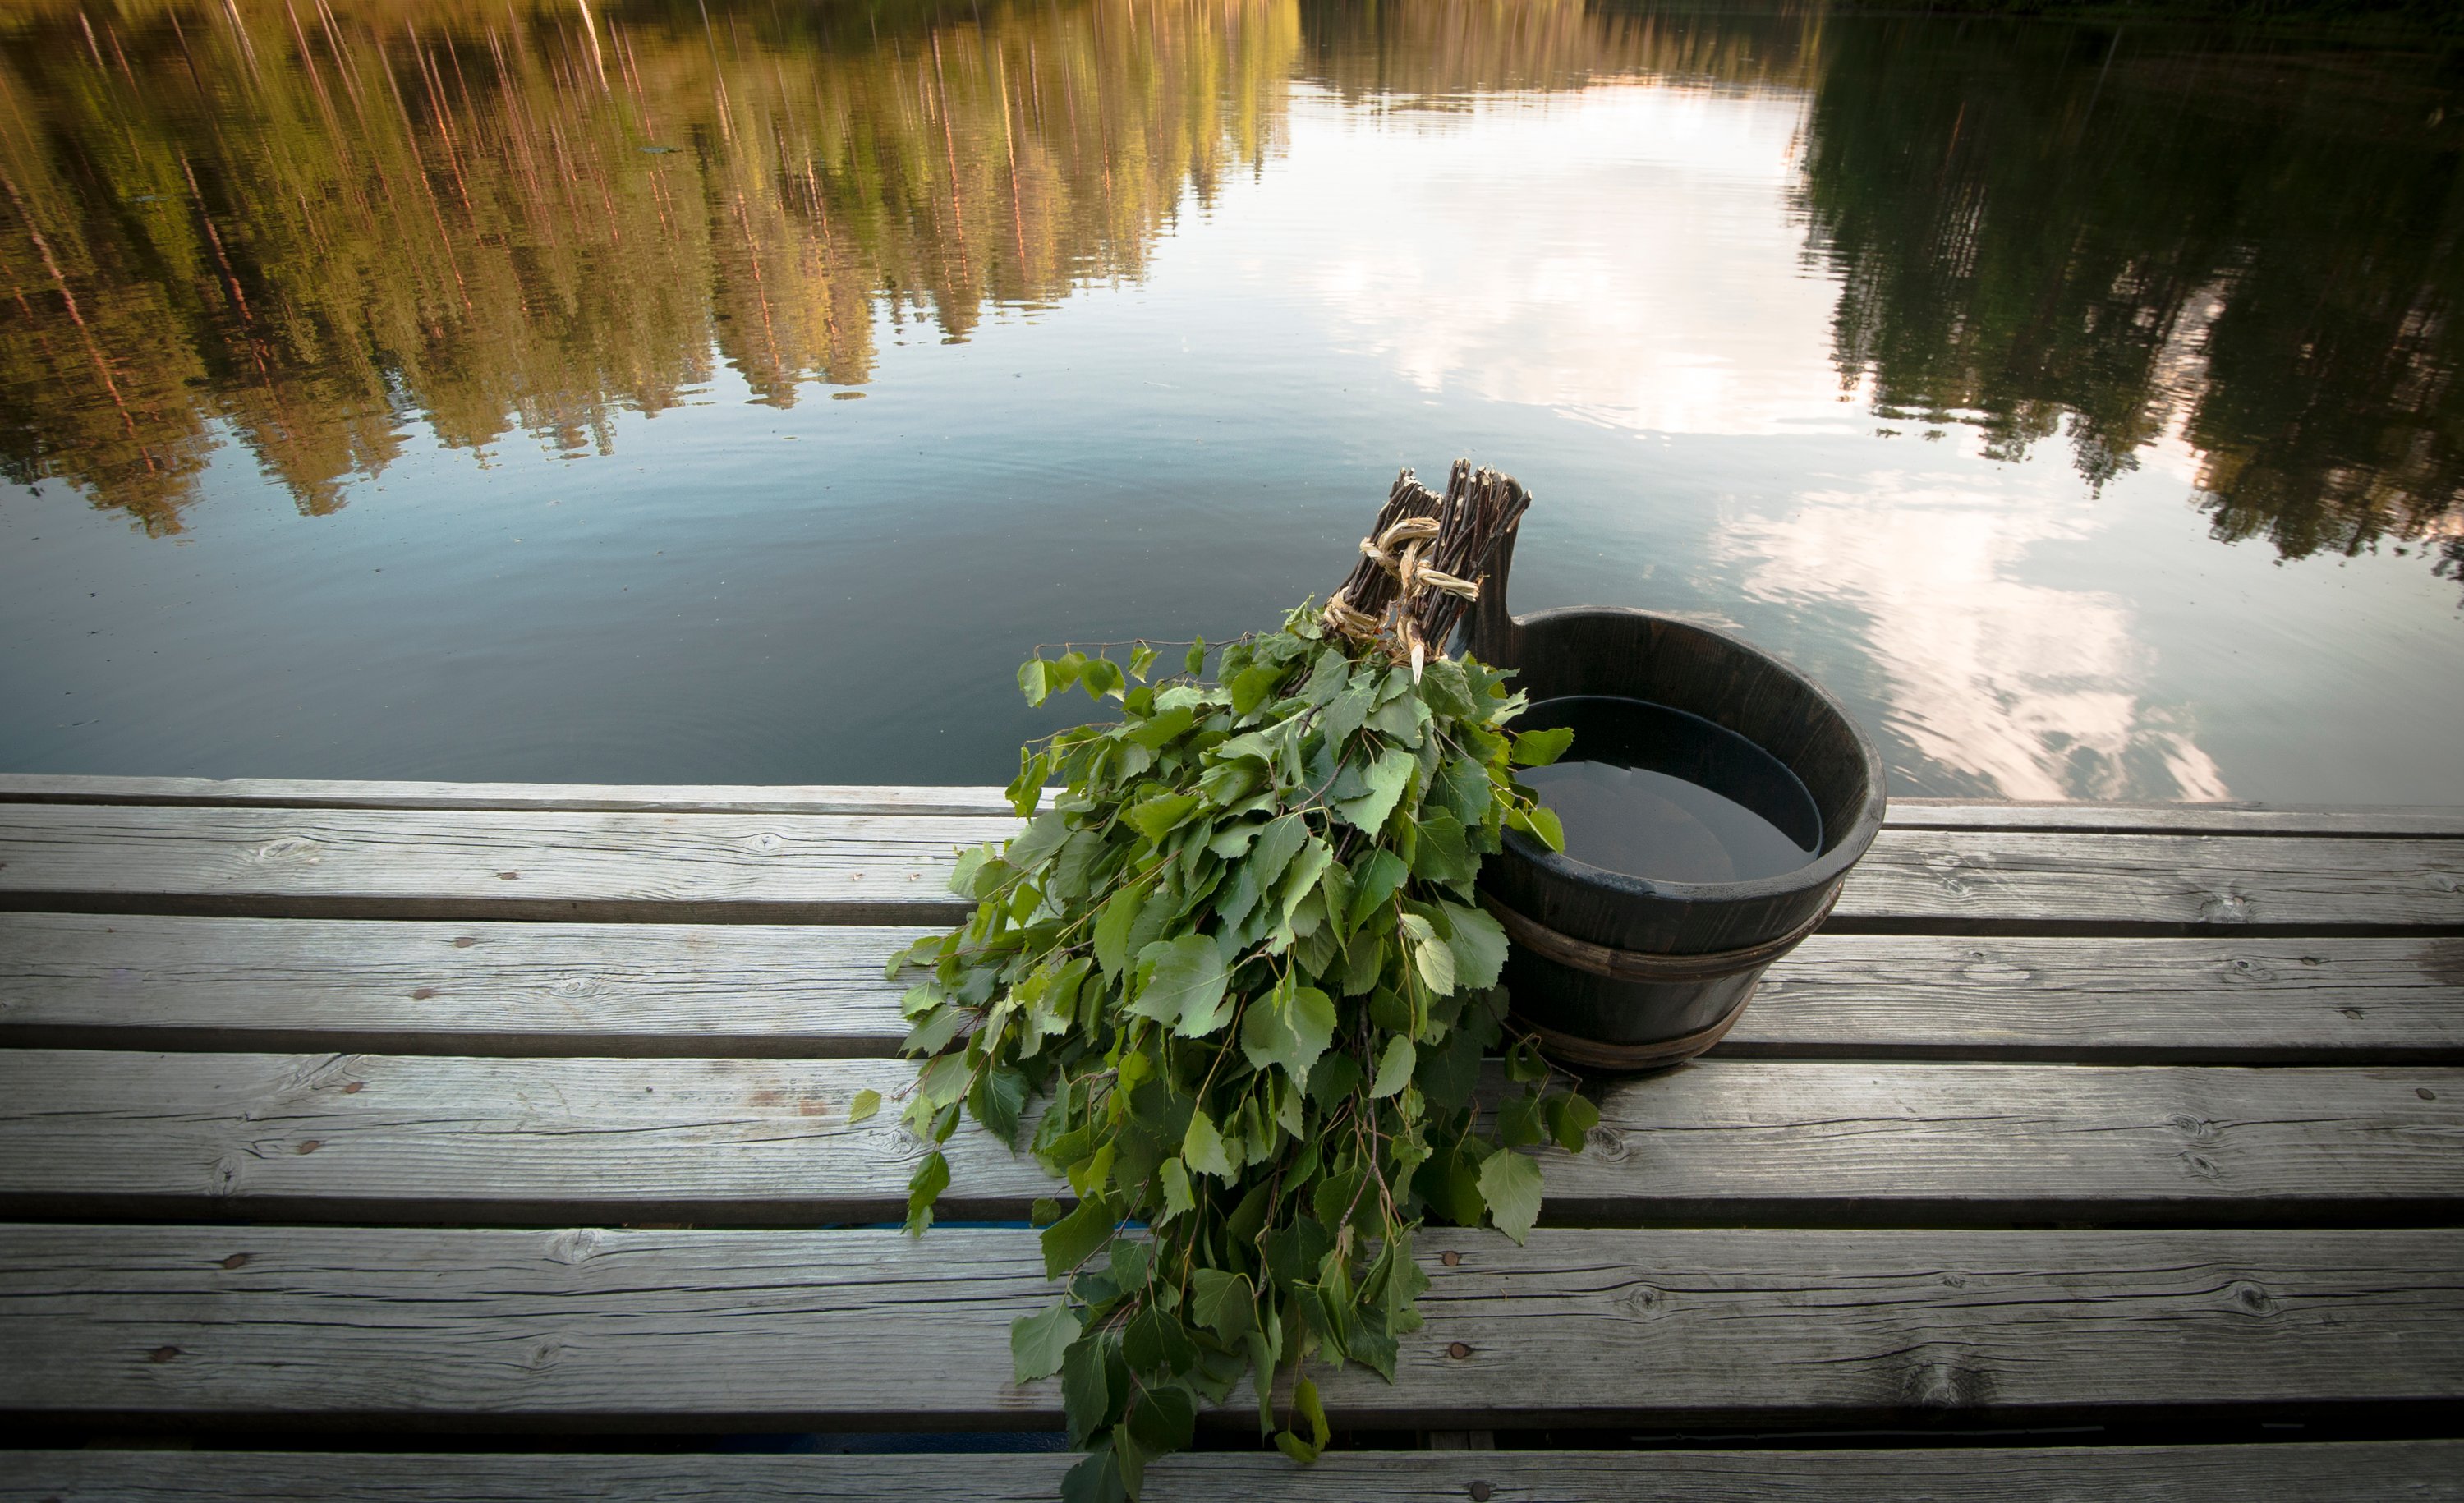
x: 646, y: 393
x: 1656, y: 792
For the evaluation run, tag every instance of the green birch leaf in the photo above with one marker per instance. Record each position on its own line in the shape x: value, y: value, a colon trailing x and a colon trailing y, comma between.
x: 1223, y: 1302
x: 1251, y: 686
x: 1374, y: 882
x: 1435, y: 960
x: 1542, y: 822
x: 1195, y: 663
x: 931, y: 1178
x: 1304, y: 1399
x: 1202, y: 1147
x: 1386, y: 778
x: 1445, y: 689
x: 866, y: 1102
x: 1163, y: 726
x: 1185, y: 989
x: 1479, y: 945
x: 1113, y: 928
x: 999, y: 1095
x: 1074, y: 1238
x: 1130, y: 1261
x: 1571, y: 1121
x: 1290, y: 1031
x: 1302, y: 876
x: 1327, y: 675
x: 1519, y: 1121
x: 1350, y: 710
x: 1140, y: 660
x: 1161, y: 815
x: 1540, y: 748
x: 1177, y: 1196
x: 1035, y: 680
x: 1336, y: 885
x: 1238, y: 899
x: 933, y: 1031
x: 1039, y: 1343
x: 1394, y: 1068
x: 1401, y: 720
x: 1086, y: 1391
x: 1162, y: 1419
x: 1463, y: 786
x: 1034, y: 845
x: 1510, y: 1185
x: 1277, y: 844
x: 1102, y: 676
x: 1440, y: 854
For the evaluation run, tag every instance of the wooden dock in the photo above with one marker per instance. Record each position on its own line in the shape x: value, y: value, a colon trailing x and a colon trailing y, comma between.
x: 429, y: 1141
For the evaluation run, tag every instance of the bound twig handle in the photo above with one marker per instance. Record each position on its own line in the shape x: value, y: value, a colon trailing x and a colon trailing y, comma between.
x: 1423, y: 563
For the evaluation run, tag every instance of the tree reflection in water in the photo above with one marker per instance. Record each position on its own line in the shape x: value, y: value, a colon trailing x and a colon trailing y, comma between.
x: 2121, y: 234
x: 301, y: 220
x: 300, y: 223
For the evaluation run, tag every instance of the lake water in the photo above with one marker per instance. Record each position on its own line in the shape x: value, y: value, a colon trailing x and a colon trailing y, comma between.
x: 660, y: 392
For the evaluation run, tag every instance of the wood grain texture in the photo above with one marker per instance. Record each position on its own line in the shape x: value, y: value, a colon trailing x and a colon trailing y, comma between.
x: 767, y: 1142
x: 2223, y: 817
x: 2086, y: 1000
x: 1987, y: 881
x: 414, y: 986
x: 706, y: 868
x: 2401, y: 1472
x: 548, y: 863
x: 86, y: 981
x: 23, y: 788
x: 874, y: 1330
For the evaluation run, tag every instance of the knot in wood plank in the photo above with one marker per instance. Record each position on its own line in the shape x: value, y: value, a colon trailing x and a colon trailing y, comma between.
x: 2223, y: 906
x: 1943, y: 1383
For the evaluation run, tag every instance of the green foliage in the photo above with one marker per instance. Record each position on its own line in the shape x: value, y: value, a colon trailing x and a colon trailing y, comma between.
x: 1240, y: 963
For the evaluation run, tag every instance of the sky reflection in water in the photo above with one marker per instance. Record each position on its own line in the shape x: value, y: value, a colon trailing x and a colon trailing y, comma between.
x: 441, y: 430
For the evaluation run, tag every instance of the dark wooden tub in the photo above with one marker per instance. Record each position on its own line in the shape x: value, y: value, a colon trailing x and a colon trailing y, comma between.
x: 1619, y: 972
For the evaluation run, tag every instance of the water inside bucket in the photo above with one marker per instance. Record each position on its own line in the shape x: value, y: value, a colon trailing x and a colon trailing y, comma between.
x: 1658, y: 793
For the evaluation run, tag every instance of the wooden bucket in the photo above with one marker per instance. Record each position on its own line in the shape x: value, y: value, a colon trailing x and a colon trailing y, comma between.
x: 1618, y: 973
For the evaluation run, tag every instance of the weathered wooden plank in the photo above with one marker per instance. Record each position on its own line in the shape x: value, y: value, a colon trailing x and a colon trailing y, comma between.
x: 1987, y: 881
x: 2090, y: 1000
x: 865, y: 868
x: 2156, y: 819
x: 83, y: 981
x: 89, y: 981
x: 2412, y: 1472
x: 2233, y: 817
x: 767, y: 1142
x: 390, y: 863
x: 874, y: 1330
x: 36, y: 787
